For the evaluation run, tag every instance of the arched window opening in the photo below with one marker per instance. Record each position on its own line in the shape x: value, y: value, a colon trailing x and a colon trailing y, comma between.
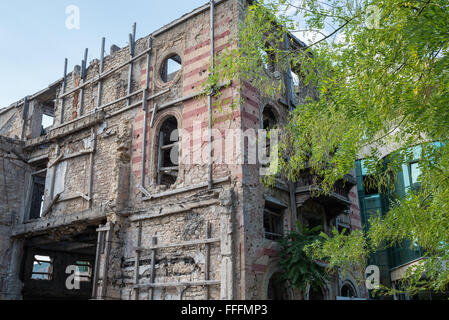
x: 268, y: 58
x: 277, y: 290
x: 298, y: 88
x: 269, y: 118
x: 168, y: 152
x: 170, y: 68
x: 348, y: 291
x: 316, y: 294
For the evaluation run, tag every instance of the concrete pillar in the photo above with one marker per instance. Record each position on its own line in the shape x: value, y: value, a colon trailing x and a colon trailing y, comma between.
x: 227, y: 272
x: 14, y: 284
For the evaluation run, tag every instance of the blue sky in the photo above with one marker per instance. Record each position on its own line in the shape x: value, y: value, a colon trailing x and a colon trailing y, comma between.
x: 34, y: 39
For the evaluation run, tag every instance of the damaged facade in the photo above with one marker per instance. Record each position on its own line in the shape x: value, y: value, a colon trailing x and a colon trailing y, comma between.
x: 87, y: 180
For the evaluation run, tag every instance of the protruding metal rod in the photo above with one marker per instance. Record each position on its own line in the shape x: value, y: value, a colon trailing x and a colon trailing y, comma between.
x: 84, y: 65
x: 290, y: 102
x: 100, y: 239
x: 100, y: 84
x: 83, y: 78
x: 209, y: 107
x: 137, y: 262
x: 149, y: 57
x: 131, y: 44
x: 107, y: 251
x: 91, y: 166
x: 153, y: 262
x: 207, y: 261
x: 64, y: 87
x: 134, y: 31
x: 132, y: 39
x: 103, y: 41
x: 24, y: 115
x: 144, y: 138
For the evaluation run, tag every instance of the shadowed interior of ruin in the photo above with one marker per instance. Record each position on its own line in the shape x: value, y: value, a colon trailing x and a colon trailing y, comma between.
x: 46, y: 259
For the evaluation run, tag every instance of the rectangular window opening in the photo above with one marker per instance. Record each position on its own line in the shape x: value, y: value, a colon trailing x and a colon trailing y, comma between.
x: 370, y: 184
x: 343, y: 228
x: 42, y: 268
x: 415, y: 173
x: 48, y: 116
x: 273, y: 222
x: 38, y: 191
x: 84, y: 270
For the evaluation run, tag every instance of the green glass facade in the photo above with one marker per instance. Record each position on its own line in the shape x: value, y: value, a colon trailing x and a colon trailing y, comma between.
x: 372, y: 203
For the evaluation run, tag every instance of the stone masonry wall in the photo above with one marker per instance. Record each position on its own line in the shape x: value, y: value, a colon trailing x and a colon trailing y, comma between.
x: 12, y: 184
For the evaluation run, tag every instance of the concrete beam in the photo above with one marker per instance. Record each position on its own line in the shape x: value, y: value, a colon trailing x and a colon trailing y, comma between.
x: 45, y: 225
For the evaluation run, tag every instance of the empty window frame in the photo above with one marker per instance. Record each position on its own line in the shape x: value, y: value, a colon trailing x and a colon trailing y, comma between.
x: 170, y: 68
x: 269, y: 118
x: 273, y: 222
x: 348, y: 291
x: 269, y: 121
x: 168, y: 152
x: 47, y: 122
x: 414, y: 173
x: 48, y: 116
x: 42, y: 268
x: 370, y: 184
x: 84, y: 270
x: 277, y: 289
x: 297, y: 77
x: 268, y: 58
x: 38, y: 191
x: 317, y: 293
x: 343, y: 227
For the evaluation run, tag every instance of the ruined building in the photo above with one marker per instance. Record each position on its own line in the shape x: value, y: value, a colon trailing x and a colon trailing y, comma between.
x: 88, y: 181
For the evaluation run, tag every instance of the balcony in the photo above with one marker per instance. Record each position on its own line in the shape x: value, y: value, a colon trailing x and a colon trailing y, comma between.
x: 335, y: 203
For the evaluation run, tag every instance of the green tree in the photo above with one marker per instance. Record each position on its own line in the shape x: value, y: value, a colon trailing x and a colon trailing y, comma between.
x: 300, y: 269
x: 380, y: 73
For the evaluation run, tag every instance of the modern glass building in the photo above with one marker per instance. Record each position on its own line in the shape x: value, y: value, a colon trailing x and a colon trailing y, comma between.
x: 392, y: 261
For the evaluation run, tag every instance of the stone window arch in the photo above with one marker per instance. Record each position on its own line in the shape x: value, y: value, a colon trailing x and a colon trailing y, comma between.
x: 171, y: 67
x: 316, y: 293
x: 348, y: 290
x: 273, y: 286
x: 270, y: 117
x: 277, y: 288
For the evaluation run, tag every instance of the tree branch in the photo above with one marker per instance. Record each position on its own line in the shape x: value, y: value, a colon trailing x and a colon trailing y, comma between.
x: 332, y: 33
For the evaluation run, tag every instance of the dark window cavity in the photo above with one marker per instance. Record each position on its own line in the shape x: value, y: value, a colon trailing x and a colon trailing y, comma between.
x: 273, y: 222
x: 38, y: 191
x: 168, y: 152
